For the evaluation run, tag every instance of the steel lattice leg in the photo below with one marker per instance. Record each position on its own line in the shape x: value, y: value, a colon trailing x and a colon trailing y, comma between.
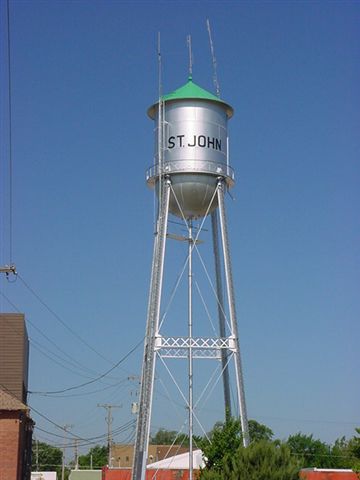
x: 152, y: 325
x: 221, y: 312
x: 232, y: 311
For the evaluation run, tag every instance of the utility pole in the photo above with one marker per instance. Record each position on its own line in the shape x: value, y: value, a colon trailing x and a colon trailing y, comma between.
x: 109, y: 420
x: 37, y: 454
x: 76, y: 454
x: 65, y: 428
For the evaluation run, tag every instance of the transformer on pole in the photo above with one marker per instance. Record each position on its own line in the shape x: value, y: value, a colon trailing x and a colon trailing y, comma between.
x: 191, y: 175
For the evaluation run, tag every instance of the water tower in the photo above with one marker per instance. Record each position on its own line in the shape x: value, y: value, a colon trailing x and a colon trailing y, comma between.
x: 191, y: 175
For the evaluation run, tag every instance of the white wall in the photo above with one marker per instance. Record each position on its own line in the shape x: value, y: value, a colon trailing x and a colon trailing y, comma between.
x: 43, y: 476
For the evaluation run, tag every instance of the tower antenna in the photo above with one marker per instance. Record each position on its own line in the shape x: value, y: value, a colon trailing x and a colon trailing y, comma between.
x: 159, y: 64
x: 188, y: 39
x: 214, y: 64
x: 160, y: 139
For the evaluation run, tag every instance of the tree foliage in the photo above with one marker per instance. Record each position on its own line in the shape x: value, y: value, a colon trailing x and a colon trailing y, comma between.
x: 315, y: 453
x: 354, y: 451
x: 264, y: 459
x: 45, y: 456
x: 341, y: 456
x: 354, y: 444
x: 171, y: 437
x: 227, y: 437
x: 312, y: 452
x: 163, y: 437
x: 259, y: 431
x: 224, y: 439
x: 99, y: 459
x: 261, y: 460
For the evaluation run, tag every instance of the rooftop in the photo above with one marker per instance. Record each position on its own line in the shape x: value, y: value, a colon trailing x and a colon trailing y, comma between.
x: 10, y: 403
x: 191, y: 91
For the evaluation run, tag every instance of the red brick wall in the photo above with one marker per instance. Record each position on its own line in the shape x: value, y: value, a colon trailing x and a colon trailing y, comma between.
x: 125, y: 474
x: 311, y: 475
x: 9, y: 445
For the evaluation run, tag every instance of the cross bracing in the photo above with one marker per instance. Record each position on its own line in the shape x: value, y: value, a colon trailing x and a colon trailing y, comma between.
x: 203, y: 347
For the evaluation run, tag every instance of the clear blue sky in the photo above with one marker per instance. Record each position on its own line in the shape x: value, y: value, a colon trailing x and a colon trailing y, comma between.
x: 83, y: 75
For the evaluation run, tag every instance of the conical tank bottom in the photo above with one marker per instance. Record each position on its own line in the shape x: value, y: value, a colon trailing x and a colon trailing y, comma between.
x: 192, y: 195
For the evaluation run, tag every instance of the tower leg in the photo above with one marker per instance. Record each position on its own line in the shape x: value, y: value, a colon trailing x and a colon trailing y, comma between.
x: 152, y: 326
x: 232, y: 312
x: 221, y: 312
x: 190, y: 325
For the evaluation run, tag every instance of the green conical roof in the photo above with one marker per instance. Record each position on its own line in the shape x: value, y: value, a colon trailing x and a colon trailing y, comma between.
x: 191, y: 91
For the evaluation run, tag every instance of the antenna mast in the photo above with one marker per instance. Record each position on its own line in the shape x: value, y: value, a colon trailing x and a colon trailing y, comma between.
x: 188, y: 39
x: 160, y: 120
x: 214, y: 64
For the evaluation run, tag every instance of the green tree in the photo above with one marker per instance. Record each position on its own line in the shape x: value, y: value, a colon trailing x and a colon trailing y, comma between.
x: 259, y: 431
x: 46, y: 457
x: 341, y: 456
x: 169, y: 437
x: 99, y: 459
x: 261, y: 460
x: 226, y: 437
x: 354, y: 444
x: 312, y: 452
x: 163, y: 437
x: 354, y: 451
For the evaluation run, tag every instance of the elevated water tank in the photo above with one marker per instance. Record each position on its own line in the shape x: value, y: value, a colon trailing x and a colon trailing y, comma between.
x: 195, y: 148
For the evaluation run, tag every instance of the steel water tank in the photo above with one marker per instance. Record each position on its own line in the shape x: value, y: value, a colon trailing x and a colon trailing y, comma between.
x: 195, y: 148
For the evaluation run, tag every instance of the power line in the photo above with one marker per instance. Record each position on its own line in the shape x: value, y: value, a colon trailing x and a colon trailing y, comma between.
x: 91, y: 440
x: 47, y: 432
x: 40, y: 347
x: 39, y: 413
x: 71, y: 395
x: 74, y: 387
x: 4, y: 387
x: 60, y: 320
x: 124, y: 428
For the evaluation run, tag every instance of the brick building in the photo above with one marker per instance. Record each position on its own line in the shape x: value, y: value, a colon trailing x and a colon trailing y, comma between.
x: 15, y: 438
x: 123, y: 454
x: 14, y: 355
x: 16, y: 426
